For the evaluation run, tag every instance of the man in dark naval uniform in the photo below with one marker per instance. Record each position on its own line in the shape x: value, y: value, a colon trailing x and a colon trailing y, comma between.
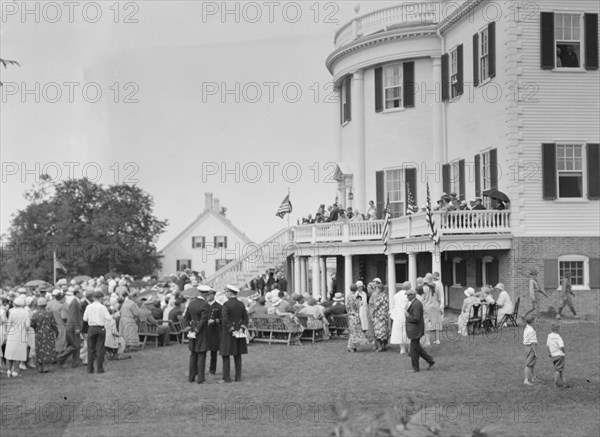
x: 213, y: 332
x: 195, y: 321
x: 234, y: 317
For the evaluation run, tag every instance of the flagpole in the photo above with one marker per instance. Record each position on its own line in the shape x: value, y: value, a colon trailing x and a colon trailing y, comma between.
x: 289, y: 213
x: 54, y: 267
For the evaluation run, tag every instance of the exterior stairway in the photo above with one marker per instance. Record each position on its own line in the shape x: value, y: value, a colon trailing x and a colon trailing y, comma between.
x: 254, y: 260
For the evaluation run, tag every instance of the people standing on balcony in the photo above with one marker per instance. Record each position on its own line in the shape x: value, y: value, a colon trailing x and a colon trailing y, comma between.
x: 334, y: 213
x: 342, y: 218
x: 500, y: 206
x: 431, y: 305
x: 349, y: 213
x: 398, y: 315
x: 463, y: 206
x: 379, y: 310
x: 364, y: 306
x: 327, y: 214
x: 353, y: 305
x: 371, y: 211
x: 356, y: 216
x: 478, y: 205
x: 505, y: 305
x: 455, y: 201
x: 566, y: 293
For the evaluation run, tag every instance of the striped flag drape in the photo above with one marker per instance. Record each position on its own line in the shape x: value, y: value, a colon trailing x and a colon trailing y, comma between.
x: 411, y: 208
x: 385, y: 234
x: 285, y: 207
x: 430, y: 222
x: 58, y: 264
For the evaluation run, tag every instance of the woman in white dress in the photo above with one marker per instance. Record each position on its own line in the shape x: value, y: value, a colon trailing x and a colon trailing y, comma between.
x: 469, y: 301
x: 16, y: 344
x: 505, y: 305
x: 398, y: 315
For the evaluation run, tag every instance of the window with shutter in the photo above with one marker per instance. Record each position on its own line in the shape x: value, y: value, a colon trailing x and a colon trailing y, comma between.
x: 591, y: 41
x: 569, y: 40
x: 198, y: 242
x: 578, y: 266
x: 394, y: 86
x: 593, y: 175
x: 221, y: 241
x: 445, y: 80
x: 345, y: 104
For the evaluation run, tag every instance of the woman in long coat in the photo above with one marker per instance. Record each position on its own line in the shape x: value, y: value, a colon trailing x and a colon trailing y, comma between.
x: 432, y: 307
x: 379, y: 310
x: 46, y: 331
x: 128, y: 323
x: 398, y: 315
x: 16, y: 344
x: 357, y: 336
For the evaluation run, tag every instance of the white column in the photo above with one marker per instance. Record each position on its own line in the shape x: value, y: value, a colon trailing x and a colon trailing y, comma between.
x: 347, y: 274
x: 316, y: 278
x: 297, y: 281
x: 359, y: 161
x: 391, y: 275
x: 436, y: 260
x: 412, y: 268
x: 437, y: 140
x: 323, y: 268
x: 303, y: 278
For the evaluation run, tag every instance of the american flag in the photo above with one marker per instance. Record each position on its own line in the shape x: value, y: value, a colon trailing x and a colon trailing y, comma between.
x: 411, y: 208
x: 387, y: 222
x: 58, y: 265
x: 429, y: 217
x: 285, y: 207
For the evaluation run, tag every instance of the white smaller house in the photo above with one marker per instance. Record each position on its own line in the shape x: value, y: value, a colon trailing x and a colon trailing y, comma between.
x: 206, y: 245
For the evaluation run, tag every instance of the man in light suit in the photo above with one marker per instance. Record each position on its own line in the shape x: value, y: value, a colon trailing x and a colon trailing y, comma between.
x: 415, y: 329
x: 74, y: 326
x: 195, y: 321
x: 233, y: 318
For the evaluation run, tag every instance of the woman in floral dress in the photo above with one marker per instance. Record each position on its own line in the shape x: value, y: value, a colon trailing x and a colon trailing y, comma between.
x: 357, y: 336
x: 46, y: 331
x: 128, y: 323
x: 379, y: 310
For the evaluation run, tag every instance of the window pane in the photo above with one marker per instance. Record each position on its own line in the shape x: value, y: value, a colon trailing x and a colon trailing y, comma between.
x: 570, y: 185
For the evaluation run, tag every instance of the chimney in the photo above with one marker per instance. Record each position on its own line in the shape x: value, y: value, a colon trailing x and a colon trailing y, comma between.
x: 216, y: 205
x: 208, y: 201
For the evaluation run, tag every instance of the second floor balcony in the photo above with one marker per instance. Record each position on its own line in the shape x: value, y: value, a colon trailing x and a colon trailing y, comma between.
x: 410, y: 226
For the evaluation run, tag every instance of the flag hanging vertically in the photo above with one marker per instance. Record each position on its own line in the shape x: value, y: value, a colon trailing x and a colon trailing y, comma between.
x: 411, y: 208
x: 385, y: 233
x: 285, y: 207
x: 429, y: 217
x: 58, y: 265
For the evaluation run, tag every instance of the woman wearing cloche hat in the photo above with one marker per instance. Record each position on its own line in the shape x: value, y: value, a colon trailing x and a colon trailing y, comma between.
x: 46, y: 332
x: 16, y: 348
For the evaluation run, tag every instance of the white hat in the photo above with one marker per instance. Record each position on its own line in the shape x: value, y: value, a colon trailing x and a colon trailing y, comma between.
x: 188, y: 286
x: 22, y: 290
x: 377, y: 280
x: 204, y: 288
x: 56, y: 292
x: 232, y: 288
x: 360, y: 284
x: 469, y: 292
x: 62, y: 281
x: 28, y: 301
x: 500, y: 286
x: 19, y: 301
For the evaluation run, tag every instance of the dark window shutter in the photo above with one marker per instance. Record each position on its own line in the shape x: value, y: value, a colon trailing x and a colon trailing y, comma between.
x: 492, y: 48
x: 225, y: 242
x: 348, y: 111
x: 551, y: 274
x: 461, y: 270
x: 379, y: 89
x: 193, y: 245
x: 478, y: 275
x: 549, y: 171
x: 548, y: 51
x: 446, y: 178
x: 493, y: 274
x: 409, y: 84
x: 594, y: 266
x: 593, y: 166
x: 494, y: 168
x: 476, y: 59
x: 461, y: 179
x: 477, y: 175
x: 410, y: 175
x: 447, y: 273
x: 459, y: 69
x: 445, y: 80
x: 215, y: 241
x: 380, y: 195
x: 591, y: 41
x: 341, y: 103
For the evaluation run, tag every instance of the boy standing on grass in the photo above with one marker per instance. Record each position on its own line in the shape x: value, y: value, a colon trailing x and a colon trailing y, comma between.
x: 556, y: 349
x: 530, y: 342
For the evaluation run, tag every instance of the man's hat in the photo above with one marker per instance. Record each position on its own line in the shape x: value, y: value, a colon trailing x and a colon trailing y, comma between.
x: 533, y: 272
x: 232, y: 289
x: 204, y: 289
x: 377, y: 280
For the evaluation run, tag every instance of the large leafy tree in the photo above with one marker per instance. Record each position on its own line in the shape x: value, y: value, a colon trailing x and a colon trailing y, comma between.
x: 92, y: 229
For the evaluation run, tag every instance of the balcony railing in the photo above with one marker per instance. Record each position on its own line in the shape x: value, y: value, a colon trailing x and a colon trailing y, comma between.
x: 410, y: 14
x: 447, y: 223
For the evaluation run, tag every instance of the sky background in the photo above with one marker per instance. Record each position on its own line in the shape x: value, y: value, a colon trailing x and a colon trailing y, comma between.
x: 156, y: 122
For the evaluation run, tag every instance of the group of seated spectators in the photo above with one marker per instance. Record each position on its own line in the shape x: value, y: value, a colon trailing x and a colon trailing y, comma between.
x: 480, y: 303
x: 337, y: 213
x: 450, y: 202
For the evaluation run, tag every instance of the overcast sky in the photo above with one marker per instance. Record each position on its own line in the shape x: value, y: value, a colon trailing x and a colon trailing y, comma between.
x: 169, y: 95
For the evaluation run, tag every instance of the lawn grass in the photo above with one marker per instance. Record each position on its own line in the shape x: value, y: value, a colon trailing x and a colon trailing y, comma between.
x: 300, y: 390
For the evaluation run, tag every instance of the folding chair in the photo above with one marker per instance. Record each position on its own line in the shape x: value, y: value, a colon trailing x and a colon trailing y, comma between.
x: 511, y: 318
x: 491, y: 319
x: 474, y: 319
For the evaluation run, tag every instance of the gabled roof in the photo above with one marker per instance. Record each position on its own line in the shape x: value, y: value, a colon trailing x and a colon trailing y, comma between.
x: 202, y: 217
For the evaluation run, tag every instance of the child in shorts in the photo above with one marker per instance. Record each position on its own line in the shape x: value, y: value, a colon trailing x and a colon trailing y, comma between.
x: 530, y: 342
x: 556, y: 350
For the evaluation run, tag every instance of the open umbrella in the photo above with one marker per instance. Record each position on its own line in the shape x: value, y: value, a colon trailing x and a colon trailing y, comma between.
x: 81, y: 278
x: 496, y: 194
x: 36, y: 283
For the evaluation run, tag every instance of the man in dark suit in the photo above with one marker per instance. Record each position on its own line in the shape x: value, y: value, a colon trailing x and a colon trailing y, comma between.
x: 74, y: 326
x: 213, y: 332
x: 234, y: 317
x: 415, y: 329
x: 260, y: 285
x: 281, y: 282
x: 195, y: 321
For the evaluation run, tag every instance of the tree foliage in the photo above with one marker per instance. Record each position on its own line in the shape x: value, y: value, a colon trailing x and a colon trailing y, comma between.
x: 93, y: 230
